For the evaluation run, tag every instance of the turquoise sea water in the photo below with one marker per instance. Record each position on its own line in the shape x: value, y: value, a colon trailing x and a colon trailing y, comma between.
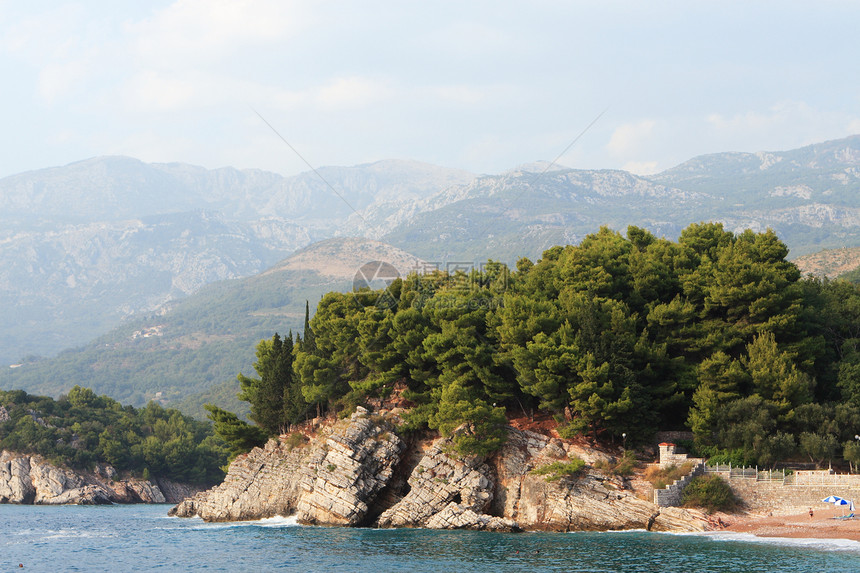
x: 142, y: 538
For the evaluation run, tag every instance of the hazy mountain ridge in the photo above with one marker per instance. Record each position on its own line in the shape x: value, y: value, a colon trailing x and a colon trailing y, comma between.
x: 87, y: 244
x: 198, y: 345
x: 809, y: 196
x: 63, y: 288
x: 522, y: 213
x: 94, y: 242
x: 824, y: 168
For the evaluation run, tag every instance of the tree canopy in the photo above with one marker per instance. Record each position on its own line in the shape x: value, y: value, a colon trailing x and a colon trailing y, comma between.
x: 82, y: 428
x: 716, y: 332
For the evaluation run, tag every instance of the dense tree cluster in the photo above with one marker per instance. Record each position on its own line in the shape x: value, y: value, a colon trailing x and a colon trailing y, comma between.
x: 717, y: 332
x: 82, y: 428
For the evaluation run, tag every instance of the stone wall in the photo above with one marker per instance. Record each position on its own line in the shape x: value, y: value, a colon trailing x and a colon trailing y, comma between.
x: 673, y: 436
x: 670, y: 456
x: 670, y: 496
x: 778, y: 499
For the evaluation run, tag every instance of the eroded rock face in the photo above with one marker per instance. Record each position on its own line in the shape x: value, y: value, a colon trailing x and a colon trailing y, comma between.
x: 348, y: 472
x: 437, y: 481
x: 589, y: 501
x: 345, y: 476
x: 28, y: 479
x: 332, y: 481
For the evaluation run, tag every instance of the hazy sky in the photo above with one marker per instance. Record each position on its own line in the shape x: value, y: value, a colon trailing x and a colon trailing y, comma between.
x: 483, y: 86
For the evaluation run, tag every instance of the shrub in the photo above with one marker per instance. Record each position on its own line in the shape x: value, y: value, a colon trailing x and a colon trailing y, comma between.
x: 558, y: 470
x: 710, y: 492
x: 661, y: 477
x: 623, y: 466
x: 626, y: 465
x: 295, y: 440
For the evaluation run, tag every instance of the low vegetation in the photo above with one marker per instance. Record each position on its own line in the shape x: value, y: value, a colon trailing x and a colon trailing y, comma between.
x: 662, y: 477
x: 623, y: 466
x: 557, y: 470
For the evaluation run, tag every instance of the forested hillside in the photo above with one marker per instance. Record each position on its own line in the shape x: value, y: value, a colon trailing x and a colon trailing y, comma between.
x: 190, y: 354
x: 618, y: 335
x: 82, y: 428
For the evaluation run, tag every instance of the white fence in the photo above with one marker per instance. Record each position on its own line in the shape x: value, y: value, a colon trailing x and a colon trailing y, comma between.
x: 800, y: 477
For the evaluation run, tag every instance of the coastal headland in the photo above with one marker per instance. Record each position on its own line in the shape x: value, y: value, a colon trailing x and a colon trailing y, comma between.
x: 360, y: 472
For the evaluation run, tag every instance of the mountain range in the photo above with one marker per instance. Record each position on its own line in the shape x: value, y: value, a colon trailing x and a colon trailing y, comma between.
x: 115, y: 243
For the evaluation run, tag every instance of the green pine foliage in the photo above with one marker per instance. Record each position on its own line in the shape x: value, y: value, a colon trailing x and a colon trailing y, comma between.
x: 619, y: 335
x: 240, y: 436
x: 81, y: 429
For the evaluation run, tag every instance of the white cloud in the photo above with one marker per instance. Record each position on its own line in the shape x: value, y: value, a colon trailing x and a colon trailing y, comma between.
x: 472, y: 38
x: 59, y: 79
x: 150, y: 90
x: 206, y: 30
x: 630, y: 137
x: 351, y: 93
x: 462, y: 94
x: 641, y: 167
x: 784, y: 125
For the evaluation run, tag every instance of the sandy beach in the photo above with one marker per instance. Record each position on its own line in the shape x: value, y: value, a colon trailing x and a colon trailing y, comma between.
x: 821, y: 526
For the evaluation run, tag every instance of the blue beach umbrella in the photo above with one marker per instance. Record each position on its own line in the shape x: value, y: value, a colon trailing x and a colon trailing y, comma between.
x: 837, y: 501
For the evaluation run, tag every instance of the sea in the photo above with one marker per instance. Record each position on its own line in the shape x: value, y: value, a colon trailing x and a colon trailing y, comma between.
x: 143, y: 538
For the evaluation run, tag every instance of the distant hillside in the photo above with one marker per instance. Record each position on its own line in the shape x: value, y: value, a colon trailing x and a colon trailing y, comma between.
x: 809, y: 196
x: 87, y: 245
x: 523, y: 213
x: 829, y: 263
x: 109, y: 241
x: 65, y: 287
x: 193, y: 351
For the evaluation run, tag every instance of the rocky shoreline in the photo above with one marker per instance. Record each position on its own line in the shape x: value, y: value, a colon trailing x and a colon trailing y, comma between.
x: 26, y: 479
x: 359, y: 472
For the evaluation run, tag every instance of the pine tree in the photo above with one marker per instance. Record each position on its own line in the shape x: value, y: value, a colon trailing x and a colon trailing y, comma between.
x: 309, y: 344
x: 267, y: 394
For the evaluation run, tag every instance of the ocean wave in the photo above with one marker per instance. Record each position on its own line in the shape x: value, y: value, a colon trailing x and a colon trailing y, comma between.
x: 822, y: 544
x: 276, y: 522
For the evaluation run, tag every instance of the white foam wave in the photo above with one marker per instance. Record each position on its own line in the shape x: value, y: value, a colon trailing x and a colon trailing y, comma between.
x: 803, y: 542
x: 800, y: 542
x: 277, y: 521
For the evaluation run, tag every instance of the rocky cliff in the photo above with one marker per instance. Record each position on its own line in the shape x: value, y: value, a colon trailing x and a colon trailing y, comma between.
x: 360, y: 472
x: 28, y: 479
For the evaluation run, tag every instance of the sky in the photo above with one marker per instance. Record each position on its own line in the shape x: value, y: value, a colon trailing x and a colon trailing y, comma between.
x: 481, y: 86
